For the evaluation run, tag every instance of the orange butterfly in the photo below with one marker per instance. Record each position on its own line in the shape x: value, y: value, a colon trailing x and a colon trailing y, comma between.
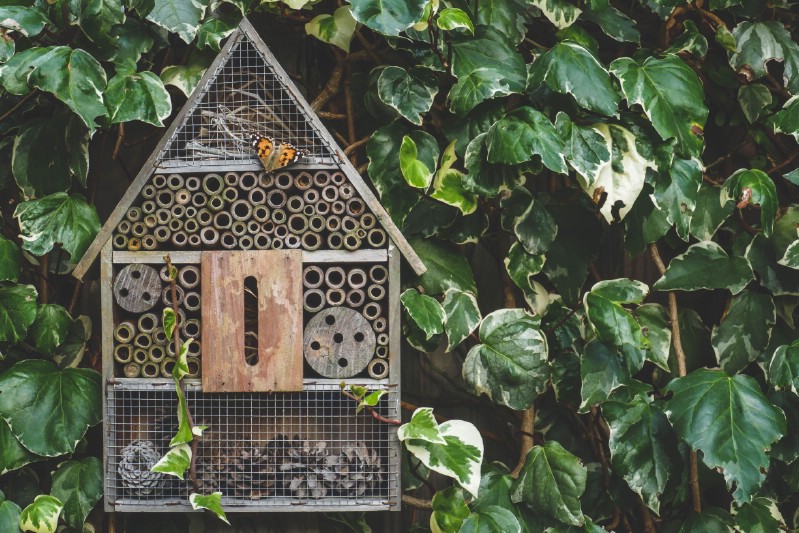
x: 274, y: 156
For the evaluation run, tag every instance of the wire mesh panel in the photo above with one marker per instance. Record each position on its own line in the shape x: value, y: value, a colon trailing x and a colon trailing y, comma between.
x: 245, y: 96
x: 262, y: 451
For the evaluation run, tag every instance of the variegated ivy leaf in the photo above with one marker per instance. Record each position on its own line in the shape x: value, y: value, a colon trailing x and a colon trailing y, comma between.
x: 168, y: 320
x: 370, y: 400
x: 388, y: 17
x: 210, y: 502
x: 448, y: 184
x: 760, y: 515
x: 41, y: 516
x: 745, y: 330
x: 791, y: 257
x: 691, y: 41
x: 601, y: 371
x: 425, y: 311
x: 453, y: 18
x: 423, y: 426
x: 753, y: 186
x: 415, y: 172
x: 705, y: 265
x: 654, y: 320
x: 178, y: 16
x: 676, y: 192
x: 462, y: 316
x: 449, y: 510
x: 614, y: 325
x: 522, y: 134
x: 709, y: 213
x: 753, y: 99
x: 783, y: 369
x: 9, y: 514
x: 184, y: 434
x: 529, y: 220
x: 561, y: 13
x: 459, y: 457
x: 618, y: 181
x: 29, y: 21
x: 181, y: 367
x: 758, y: 43
x: 510, y: 365
x: 521, y: 265
x: 586, y: 148
x: 175, y: 462
x: 411, y: 92
x: 336, y: 29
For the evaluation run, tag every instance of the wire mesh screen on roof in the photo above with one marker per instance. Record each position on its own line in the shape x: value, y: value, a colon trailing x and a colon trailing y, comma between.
x: 244, y: 96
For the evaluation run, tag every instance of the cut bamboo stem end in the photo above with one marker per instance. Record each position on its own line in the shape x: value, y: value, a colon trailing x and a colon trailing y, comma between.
x: 378, y: 369
x: 313, y: 300
x: 124, y: 332
x: 123, y: 353
x: 312, y: 277
x: 131, y: 370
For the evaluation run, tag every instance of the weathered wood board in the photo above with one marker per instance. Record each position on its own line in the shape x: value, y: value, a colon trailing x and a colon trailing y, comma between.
x: 280, y: 361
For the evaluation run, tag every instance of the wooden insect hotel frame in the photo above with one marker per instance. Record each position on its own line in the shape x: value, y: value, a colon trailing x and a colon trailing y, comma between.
x: 288, y: 286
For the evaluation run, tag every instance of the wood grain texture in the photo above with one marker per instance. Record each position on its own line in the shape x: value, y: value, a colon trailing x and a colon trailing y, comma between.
x: 338, y: 342
x: 279, y: 366
x: 137, y: 288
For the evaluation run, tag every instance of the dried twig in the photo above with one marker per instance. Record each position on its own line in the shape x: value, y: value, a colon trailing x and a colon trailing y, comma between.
x: 417, y: 502
x: 331, y: 87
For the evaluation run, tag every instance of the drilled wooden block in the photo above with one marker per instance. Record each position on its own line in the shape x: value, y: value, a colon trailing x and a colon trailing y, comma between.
x: 338, y: 342
x: 137, y: 288
x: 278, y: 274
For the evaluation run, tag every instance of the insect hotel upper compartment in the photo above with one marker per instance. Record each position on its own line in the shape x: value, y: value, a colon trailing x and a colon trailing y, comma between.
x: 287, y: 285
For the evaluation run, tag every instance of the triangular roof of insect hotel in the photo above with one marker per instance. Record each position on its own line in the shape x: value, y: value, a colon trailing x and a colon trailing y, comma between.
x: 244, y: 90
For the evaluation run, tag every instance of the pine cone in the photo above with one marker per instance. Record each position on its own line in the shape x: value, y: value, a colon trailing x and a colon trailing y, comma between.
x: 359, y: 470
x: 308, y: 472
x: 251, y: 474
x: 138, y: 458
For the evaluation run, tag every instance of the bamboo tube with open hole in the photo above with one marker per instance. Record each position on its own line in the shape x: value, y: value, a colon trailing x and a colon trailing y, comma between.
x: 189, y: 276
x: 166, y: 295
x: 376, y: 237
x: 228, y: 240
x: 311, y: 196
x: 133, y: 214
x: 330, y: 193
x: 322, y: 208
x: 335, y: 297
x: 191, y: 328
x: 123, y: 353
x: 333, y: 223
x: 193, y: 364
x: 138, y: 229
x: 193, y: 183
x: 277, y: 243
x: 149, y: 207
x: 321, y: 178
x: 284, y: 180
x: 349, y: 224
x: 216, y: 203
x: 131, y: 370
x: 292, y: 241
x: 246, y: 242
x: 241, y: 210
x: 355, y: 297
x: 124, y: 226
x: 191, y: 226
x: 175, y: 224
x: 346, y: 192
x: 257, y: 196
x: 159, y: 181
x: 165, y: 198
x: 159, y: 336
x: 209, y: 236
x: 376, y: 292
x: 311, y: 241
x: 253, y: 227
x: 150, y: 220
x: 213, y: 184
x: 303, y: 180
x: 335, y: 240
x: 120, y: 241
x: 180, y: 239
x: 182, y: 197
x: 316, y: 223
x: 166, y: 367
x: 192, y: 301
x: 378, y: 369
x: 134, y: 244
x: 238, y: 228
x: 380, y: 324
x: 150, y: 370
x: 372, y: 310
x: 260, y: 213
x: 124, y: 332
x: 295, y: 204
x: 230, y: 194
x: 140, y: 355
x: 222, y: 220
x: 148, y: 242
x: 313, y: 300
x: 248, y: 181
x: 199, y: 199
x: 352, y: 241
x: 175, y: 181
x: 161, y: 234
x: 378, y: 274
x: 335, y: 277
x: 156, y: 353
x: 265, y: 180
x: 231, y: 179
x: 194, y: 347
x: 147, y: 323
x: 163, y: 215
x: 148, y: 191
x: 268, y: 227
x: 355, y: 207
x: 381, y: 351
x: 356, y: 278
x: 312, y: 277
x: 298, y: 223
x: 338, y: 178
x: 194, y: 240
x: 262, y: 241
x: 276, y: 198
x: 368, y: 221
x: 382, y: 339
x: 338, y: 207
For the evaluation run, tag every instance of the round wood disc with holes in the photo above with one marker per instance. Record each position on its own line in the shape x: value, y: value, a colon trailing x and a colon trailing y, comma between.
x: 338, y: 342
x: 137, y: 288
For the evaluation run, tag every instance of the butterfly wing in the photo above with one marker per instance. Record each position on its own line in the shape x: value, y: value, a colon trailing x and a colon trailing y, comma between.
x: 287, y: 155
x: 274, y: 156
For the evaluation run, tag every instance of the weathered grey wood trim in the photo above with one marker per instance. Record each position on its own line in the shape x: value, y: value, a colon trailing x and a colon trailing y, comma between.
x: 316, y: 256
x: 107, y: 347
x: 394, y: 361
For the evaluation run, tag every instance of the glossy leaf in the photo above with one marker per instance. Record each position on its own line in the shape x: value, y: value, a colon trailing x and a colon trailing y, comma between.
x: 42, y: 515
x: 709, y: 213
x: 753, y: 187
x: 761, y: 515
x: 13, y: 454
x: 70, y: 352
x: 137, y: 96
x: 487, y: 179
x: 462, y: 316
x: 654, y: 320
x: 213, y: 31
x: 17, y: 311
x: 490, y: 519
x: 186, y: 77
x: 730, y: 421
x: 453, y: 18
x: 676, y: 193
x: 425, y: 311
x: 27, y: 21
x: 510, y: 365
x: 97, y: 19
x: 11, y: 265
x: 415, y: 172
x: 561, y: 13
x: 78, y: 484
x: 388, y: 17
x: 175, y: 462
x: 336, y: 29
x: 211, y: 502
x: 602, y: 372
x: 446, y: 269
x: 50, y: 328
x: 449, y: 510
x: 758, y: 43
x: 783, y: 369
x: 744, y: 331
x: 410, y: 92
x: 423, y: 426
x: 9, y: 515
x: 586, y: 148
x: 614, y: 325
x: 705, y: 265
x: 520, y: 135
x: 753, y: 99
x: 178, y: 16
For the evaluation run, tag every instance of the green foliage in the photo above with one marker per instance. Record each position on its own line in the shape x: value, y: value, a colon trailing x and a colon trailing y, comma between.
x: 79, y: 486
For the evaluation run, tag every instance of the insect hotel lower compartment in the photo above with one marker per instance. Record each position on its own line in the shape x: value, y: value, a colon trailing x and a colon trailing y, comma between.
x: 287, y: 286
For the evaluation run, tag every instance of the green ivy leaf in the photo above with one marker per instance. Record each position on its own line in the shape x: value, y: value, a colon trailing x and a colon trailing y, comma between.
x: 79, y: 485
x: 783, y: 369
x: 711, y: 520
x: 510, y: 365
x: 13, y: 455
x: 175, y: 462
x: 521, y: 265
x: 423, y: 426
x: 611, y: 21
x: 57, y: 218
x: 757, y: 43
x: 754, y: 99
x: 14, y: 73
x: 453, y: 18
x: 551, y: 483
x: 9, y: 515
x: 28, y: 21
x: 178, y: 16
x: 187, y: 77
x: 370, y: 400
x: 336, y: 29
x: 601, y: 372
x: 761, y: 515
x: 388, y: 17
x: 585, y: 149
x: 520, y: 135
x: 134, y: 38
x: 212, y: 31
x: 676, y: 193
x: 462, y: 316
x: 530, y: 221
x: 729, y: 420
x: 654, y: 320
x: 506, y: 16
x: 425, y: 311
x: 671, y: 95
x: 559, y: 12
x: 490, y: 519
x: 488, y: 179
x: 446, y: 268
x: 414, y: 171
x: 211, y: 502
x: 588, y: 527
x: 705, y: 265
x: 97, y: 19
x: 791, y: 257
x: 709, y: 213
x: 744, y: 331
x: 50, y: 328
x: 449, y: 510
x: 753, y: 187
x: 779, y: 279
x: 568, y: 68
x: 643, y: 449
x: 411, y: 92
x: 486, y: 66
x: 49, y: 409
x: 448, y: 187
x: 691, y: 41
x: 11, y: 265
x: 42, y: 515
x: 17, y: 311
x: 137, y: 96
x: 613, y: 324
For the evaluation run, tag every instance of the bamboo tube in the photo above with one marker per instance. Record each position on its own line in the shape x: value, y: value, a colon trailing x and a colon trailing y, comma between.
x: 376, y: 237
x: 194, y: 367
x: 335, y: 297
x: 352, y: 241
x: 148, y: 191
x: 161, y: 234
x: 265, y: 180
x: 268, y: 227
x: 150, y: 220
x: 123, y: 353
x: 159, y: 181
x: 131, y: 370
x: 312, y: 277
x: 279, y: 216
x: 298, y: 223
x: 292, y: 241
x: 335, y: 240
x: 303, y: 181
x: 382, y: 339
x: 150, y: 370
x: 376, y: 292
x: 159, y: 336
x: 199, y: 199
x: 281, y: 231
x: 378, y: 369
x: 189, y: 276
x: 231, y: 179
x: 124, y: 226
x: 120, y: 241
x: 372, y: 310
x: 335, y: 277
x: 228, y: 240
x: 248, y: 181
x: 163, y: 274
x: 355, y: 298
x: 190, y: 211
x: 175, y: 181
x: 143, y: 340
x: 378, y: 274
x: 246, y: 242
x: 316, y: 223
x: 349, y: 224
x: 195, y: 347
x: 276, y: 198
x: 165, y: 198
x: 253, y: 227
x: 149, y: 207
x: 166, y: 366
x: 361, y: 233
x: 322, y: 208
x: 356, y: 278
x: 277, y: 243
x: 262, y: 241
x: 191, y: 226
x: 313, y: 300
x: 204, y: 217
x: 321, y: 178
x: 194, y: 240
x: 133, y: 214
x: 284, y: 180
x: 147, y: 323
x: 338, y: 178
x: 241, y: 210
x: 355, y: 207
x: 180, y: 239
x: 166, y: 295
x: 156, y: 353
x: 222, y: 220
x: 295, y: 204
x: 134, y: 244
x: 238, y: 228
x: 346, y: 192
x: 175, y: 224
x: 381, y: 351
x: 192, y: 301
x: 333, y: 223
x: 124, y: 332
x: 191, y: 328
x: 140, y: 355
x: 330, y: 193
x: 213, y: 184
x: 338, y: 207
x: 257, y: 196
x: 148, y: 242
x: 308, y: 210
x: 163, y: 215
x: 182, y: 197
x: 311, y: 196
x: 311, y: 241
x: 380, y: 324
x: 138, y: 229
x: 230, y: 194
x: 216, y: 203
x: 193, y: 183
x: 178, y: 211
x: 209, y: 236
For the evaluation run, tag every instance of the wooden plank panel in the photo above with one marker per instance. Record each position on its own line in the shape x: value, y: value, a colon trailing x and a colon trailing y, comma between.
x: 279, y: 366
